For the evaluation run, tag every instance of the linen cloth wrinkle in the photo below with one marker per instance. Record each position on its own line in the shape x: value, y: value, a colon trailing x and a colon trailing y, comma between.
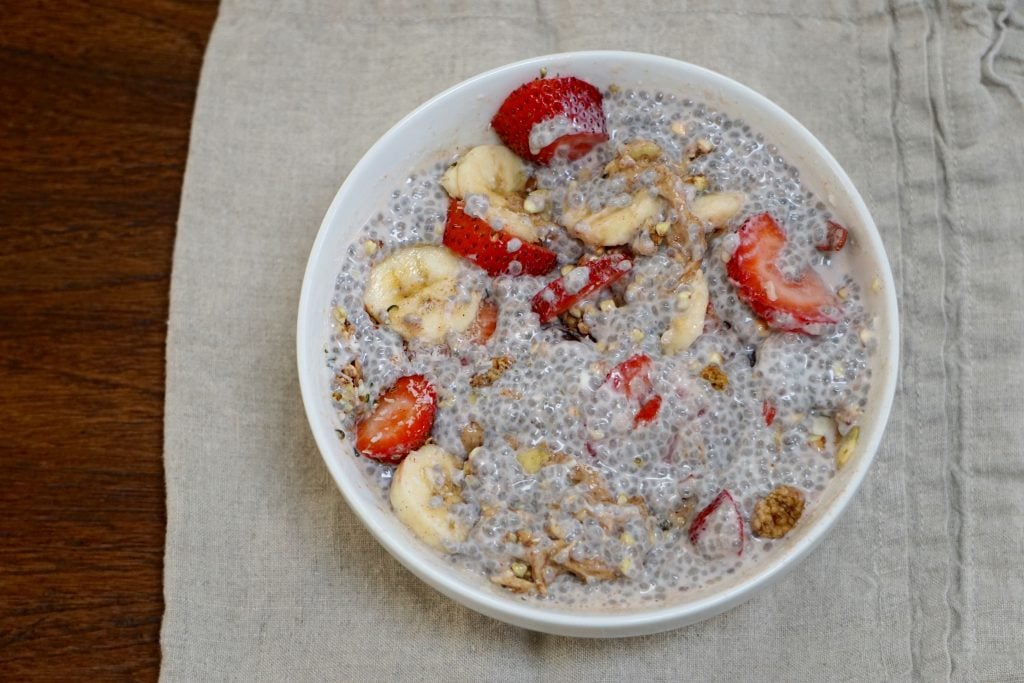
x: 269, y: 576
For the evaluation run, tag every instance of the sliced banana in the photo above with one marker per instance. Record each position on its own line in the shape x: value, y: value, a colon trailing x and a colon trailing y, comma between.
x: 487, y: 169
x: 639, y: 167
x: 718, y: 208
x: 423, y: 489
x: 415, y: 291
x: 613, y: 226
x: 688, y: 322
x: 497, y: 173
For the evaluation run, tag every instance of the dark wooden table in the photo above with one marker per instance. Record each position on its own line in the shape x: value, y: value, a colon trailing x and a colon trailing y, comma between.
x: 95, y: 105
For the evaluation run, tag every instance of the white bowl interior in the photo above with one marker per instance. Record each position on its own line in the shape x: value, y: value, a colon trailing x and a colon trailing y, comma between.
x: 459, y: 118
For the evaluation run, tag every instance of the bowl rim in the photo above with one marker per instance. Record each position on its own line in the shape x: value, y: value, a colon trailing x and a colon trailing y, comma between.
x: 611, y: 624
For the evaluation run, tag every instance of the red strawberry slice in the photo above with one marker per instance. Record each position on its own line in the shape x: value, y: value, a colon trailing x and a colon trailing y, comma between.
x: 562, y: 294
x: 546, y: 100
x: 493, y: 250
x: 648, y: 411
x: 486, y: 322
x: 800, y: 305
x: 400, y: 422
x: 632, y: 377
x: 718, y: 510
x: 835, y: 238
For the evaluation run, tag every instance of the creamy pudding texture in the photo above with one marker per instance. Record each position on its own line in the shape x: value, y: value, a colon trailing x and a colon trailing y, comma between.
x: 566, y: 483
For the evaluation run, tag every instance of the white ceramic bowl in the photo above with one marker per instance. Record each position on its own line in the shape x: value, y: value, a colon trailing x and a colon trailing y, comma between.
x: 458, y: 118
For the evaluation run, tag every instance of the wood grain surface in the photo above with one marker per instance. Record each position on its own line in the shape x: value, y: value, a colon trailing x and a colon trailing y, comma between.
x: 95, y: 105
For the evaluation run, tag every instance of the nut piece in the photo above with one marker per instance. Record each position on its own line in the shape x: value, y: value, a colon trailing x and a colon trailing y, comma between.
x: 472, y: 436
x: 845, y: 448
x: 499, y: 364
x: 533, y: 459
x: 715, y: 376
x: 536, y: 201
x: 514, y: 583
x: 777, y: 513
x: 642, y: 149
x: 699, y: 181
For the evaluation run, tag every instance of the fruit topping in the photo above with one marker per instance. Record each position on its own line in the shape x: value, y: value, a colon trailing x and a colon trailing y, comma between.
x: 494, y: 180
x: 548, y: 116
x: 415, y: 291
x: 562, y: 294
x: 632, y: 378
x: 835, y: 238
x: 648, y: 411
x: 717, y: 530
x: 486, y: 322
x: 801, y: 304
x: 496, y: 251
x: 718, y: 208
x: 400, y: 421
x: 423, y: 490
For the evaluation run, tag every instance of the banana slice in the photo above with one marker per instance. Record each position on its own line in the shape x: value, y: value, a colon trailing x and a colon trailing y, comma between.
x: 415, y: 290
x: 497, y: 173
x: 423, y: 490
x: 718, y: 208
x: 614, y: 226
x: 487, y: 169
x: 688, y: 322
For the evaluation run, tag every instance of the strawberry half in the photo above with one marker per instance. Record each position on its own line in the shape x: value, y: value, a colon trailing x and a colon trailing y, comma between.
x: 562, y: 294
x: 799, y: 305
x: 553, y: 101
x: 718, y: 513
x: 493, y: 250
x: 400, y: 422
x: 632, y: 377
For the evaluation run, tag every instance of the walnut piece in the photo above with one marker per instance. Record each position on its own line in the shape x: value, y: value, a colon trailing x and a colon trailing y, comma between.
x: 499, y: 365
x: 777, y: 513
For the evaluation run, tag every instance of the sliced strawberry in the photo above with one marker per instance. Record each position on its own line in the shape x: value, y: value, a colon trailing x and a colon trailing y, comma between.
x: 400, y: 422
x: 648, y: 411
x: 768, y: 411
x: 835, y: 238
x: 567, y: 100
x: 632, y: 377
x: 718, y: 510
x: 799, y: 305
x: 562, y: 294
x: 493, y: 250
x: 486, y: 322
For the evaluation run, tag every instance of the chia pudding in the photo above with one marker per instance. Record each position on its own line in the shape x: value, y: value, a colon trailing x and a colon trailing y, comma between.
x: 609, y: 375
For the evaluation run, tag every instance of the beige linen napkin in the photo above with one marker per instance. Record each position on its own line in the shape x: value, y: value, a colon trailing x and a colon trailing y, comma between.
x: 269, y: 576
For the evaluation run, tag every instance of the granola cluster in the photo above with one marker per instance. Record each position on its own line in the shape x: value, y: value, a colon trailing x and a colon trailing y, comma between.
x: 777, y: 513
